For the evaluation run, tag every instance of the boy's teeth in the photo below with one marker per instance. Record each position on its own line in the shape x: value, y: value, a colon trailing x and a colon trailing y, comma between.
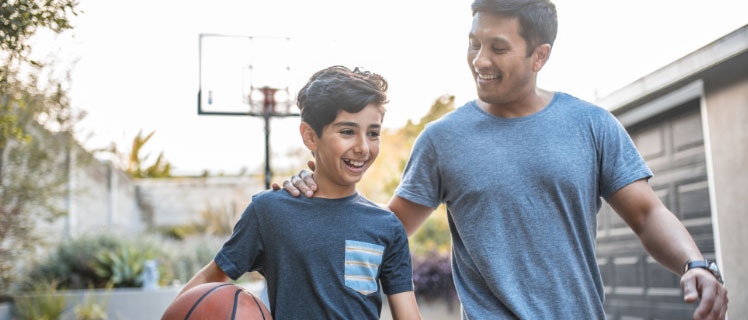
x: 357, y: 164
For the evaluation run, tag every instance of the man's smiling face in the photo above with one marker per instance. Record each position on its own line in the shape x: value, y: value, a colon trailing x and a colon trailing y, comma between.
x: 497, y: 56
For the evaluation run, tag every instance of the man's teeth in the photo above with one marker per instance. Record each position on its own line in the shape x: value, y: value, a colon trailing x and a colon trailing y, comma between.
x: 488, y: 77
x: 356, y: 164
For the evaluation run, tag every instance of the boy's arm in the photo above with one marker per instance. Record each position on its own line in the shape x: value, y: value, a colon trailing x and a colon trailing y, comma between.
x: 668, y: 241
x: 403, y: 306
x: 210, y: 273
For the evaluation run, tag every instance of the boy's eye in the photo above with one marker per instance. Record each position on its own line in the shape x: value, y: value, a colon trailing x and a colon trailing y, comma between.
x: 347, y: 132
x: 374, y: 134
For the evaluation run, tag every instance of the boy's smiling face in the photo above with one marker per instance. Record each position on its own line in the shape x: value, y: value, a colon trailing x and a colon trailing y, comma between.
x: 347, y: 147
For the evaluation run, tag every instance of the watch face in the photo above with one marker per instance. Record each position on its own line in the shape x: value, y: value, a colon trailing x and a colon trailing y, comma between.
x: 715, y: 271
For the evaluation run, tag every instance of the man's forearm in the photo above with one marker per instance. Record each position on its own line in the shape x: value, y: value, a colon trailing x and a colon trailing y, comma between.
x: 667, y: 240
x: 411, y: 214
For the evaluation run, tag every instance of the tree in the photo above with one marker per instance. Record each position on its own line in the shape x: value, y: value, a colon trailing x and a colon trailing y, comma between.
x: 21, y: 19
x: 34, y: 168
x: 36, y: 124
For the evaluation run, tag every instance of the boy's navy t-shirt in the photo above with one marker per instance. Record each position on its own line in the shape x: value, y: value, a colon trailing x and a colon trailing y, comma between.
x: 322, y: 258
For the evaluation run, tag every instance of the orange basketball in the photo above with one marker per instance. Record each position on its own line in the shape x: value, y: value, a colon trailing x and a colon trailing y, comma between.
x: 217, y: 301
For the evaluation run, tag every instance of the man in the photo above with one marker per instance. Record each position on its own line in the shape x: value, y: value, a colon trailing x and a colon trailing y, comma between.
x: 522, y: 171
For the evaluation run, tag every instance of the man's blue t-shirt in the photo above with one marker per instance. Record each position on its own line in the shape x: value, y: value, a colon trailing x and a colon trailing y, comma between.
x: 522, y: 196
x: 322, y: 258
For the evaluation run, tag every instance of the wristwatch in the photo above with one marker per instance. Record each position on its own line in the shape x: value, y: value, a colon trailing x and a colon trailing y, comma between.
x: 710, y: 266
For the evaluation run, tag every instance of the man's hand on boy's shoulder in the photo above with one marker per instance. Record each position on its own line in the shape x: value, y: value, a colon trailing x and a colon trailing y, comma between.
x: 302, y: 182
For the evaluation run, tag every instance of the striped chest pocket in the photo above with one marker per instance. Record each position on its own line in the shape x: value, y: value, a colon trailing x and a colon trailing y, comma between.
x: 362, y: 262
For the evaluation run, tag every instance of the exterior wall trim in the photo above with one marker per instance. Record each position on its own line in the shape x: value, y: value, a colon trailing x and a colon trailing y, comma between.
x: 712, y: 185
x: 693, y: 90
x: 720, y: 50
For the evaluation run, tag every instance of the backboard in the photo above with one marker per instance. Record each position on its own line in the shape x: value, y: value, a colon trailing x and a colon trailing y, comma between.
x: 234, y: 69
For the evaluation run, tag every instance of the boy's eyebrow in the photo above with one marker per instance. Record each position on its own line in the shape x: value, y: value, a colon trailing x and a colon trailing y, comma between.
x: 345, y: 124
x: 353, y: 124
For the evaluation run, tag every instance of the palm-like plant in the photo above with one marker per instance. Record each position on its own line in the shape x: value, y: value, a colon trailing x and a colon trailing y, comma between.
x: 124, y: 265
x: 159, y: 169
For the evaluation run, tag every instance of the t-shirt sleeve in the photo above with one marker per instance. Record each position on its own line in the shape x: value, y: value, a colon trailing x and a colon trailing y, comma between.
x: 396, y: 274
x: 620, y: 162
x: 243, y: 251
x: 421, y: 182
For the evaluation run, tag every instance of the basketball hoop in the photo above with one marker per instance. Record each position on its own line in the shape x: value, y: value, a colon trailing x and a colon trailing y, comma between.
x: 246, y: 76
x: 270, y: 101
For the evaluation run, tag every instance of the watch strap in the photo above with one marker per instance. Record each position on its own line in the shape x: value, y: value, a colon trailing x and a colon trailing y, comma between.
x: 710, y: 266
x: 697, y: 264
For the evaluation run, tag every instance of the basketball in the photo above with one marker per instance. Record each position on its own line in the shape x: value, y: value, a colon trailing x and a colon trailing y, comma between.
x: 217, y: 301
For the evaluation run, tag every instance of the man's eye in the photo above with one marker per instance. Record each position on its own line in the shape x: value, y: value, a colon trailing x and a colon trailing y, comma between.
x: 499, y: 50
x: 474, y: 45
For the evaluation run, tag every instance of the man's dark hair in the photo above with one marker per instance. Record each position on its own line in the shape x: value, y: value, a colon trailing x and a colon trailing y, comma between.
x: 338, y: 88
x: 537, y: 18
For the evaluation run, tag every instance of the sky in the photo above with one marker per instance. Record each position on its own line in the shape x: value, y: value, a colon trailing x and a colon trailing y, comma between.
x: 134, y: 64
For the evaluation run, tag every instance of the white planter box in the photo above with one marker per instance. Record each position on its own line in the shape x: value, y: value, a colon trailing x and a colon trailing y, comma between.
x: 126, y: 303
x: 5, y: 311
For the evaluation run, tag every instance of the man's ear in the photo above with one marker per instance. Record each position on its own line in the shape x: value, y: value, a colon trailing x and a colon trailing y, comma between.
x: 309, y: 136
x: 540, y: 56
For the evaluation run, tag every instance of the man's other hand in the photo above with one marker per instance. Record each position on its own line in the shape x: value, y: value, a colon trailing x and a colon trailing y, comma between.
x: 302, y: 182
x: 698, y: 284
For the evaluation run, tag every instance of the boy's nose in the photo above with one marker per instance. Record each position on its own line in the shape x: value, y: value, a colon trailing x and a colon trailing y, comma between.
x: 362, y: 146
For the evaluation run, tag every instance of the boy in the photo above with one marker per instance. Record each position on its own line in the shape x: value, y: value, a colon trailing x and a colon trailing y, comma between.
x: 323, y: 257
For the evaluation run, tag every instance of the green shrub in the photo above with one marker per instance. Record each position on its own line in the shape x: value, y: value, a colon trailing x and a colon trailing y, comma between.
x: 96, y: 260
x: 123, y: 265
x: 70, y: 262
x: 92, y: 308
x: 42, y: 303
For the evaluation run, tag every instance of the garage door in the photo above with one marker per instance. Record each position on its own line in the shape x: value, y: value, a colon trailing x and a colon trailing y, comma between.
x: 636, y: 287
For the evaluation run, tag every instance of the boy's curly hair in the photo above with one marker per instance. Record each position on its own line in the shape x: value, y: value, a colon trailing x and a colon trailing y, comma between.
x: 338, y: 88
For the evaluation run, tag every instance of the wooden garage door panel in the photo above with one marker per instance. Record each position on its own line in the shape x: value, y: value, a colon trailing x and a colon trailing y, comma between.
x: 636, y: 286
x: 693, y: 200
x: 687, y: 132
x: 651, y: 143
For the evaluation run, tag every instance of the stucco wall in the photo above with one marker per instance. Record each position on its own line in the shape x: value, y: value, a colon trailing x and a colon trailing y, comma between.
x: 180, y: 200
x: 727, y: 112
x: 102, y: 196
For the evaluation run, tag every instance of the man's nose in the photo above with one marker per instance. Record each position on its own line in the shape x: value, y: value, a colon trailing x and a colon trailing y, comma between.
x: 481, y: 60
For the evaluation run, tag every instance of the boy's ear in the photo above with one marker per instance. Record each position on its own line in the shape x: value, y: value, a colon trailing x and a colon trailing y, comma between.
x: 309, y: 136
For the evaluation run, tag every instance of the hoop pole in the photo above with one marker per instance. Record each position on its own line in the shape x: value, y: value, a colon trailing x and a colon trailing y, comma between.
x: 268, y: 173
